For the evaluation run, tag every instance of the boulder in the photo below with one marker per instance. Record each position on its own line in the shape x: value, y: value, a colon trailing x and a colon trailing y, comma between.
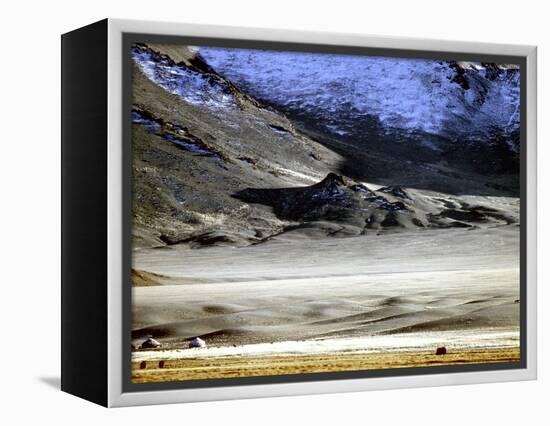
x: 441, y: 350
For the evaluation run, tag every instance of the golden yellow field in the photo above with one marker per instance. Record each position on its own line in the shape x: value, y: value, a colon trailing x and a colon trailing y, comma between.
x: 232, y: 366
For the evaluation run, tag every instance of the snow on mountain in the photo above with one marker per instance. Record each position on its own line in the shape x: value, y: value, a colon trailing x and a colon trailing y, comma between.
x: 345, y: 93
x: 193, y: 86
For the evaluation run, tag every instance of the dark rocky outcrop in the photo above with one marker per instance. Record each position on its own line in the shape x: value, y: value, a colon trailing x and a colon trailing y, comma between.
x: 329, y: 198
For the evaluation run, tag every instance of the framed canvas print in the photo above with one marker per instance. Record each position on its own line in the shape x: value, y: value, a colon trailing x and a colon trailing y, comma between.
x: 256, y: 212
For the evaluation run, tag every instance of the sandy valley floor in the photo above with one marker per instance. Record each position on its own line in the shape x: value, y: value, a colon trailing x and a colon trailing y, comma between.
x: 378, y: 300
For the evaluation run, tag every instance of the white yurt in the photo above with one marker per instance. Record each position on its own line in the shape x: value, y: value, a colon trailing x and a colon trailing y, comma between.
x: 150, y: 343
x: 197, y: 342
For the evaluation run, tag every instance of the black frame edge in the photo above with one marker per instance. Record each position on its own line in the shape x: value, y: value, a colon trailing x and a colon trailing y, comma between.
x: 84, y: 345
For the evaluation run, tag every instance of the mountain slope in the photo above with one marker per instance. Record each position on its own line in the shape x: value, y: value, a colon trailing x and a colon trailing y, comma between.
x: 214, y: 166
x: 463, y: 114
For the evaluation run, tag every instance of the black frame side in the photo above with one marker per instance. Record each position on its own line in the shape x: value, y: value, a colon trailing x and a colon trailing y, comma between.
x: 84, y: 345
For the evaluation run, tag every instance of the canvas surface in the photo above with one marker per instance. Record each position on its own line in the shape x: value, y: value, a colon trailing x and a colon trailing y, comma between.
x: 298, y: 212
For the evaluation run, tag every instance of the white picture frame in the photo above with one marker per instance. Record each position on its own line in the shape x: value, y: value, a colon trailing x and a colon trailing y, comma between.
x: 116, y: 395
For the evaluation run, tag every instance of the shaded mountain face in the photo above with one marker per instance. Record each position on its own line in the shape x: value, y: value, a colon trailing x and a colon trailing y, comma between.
x: 460, y: 112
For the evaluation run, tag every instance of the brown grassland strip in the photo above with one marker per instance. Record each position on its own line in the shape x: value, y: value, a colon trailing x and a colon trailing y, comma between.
x: 232, y: 366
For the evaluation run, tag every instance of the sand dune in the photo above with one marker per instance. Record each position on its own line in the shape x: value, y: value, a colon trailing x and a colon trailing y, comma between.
x: 440, y: 280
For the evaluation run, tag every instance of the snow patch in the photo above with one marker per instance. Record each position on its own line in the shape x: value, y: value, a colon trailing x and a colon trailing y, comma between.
x: 415, y: 96
x: 194, y: 87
